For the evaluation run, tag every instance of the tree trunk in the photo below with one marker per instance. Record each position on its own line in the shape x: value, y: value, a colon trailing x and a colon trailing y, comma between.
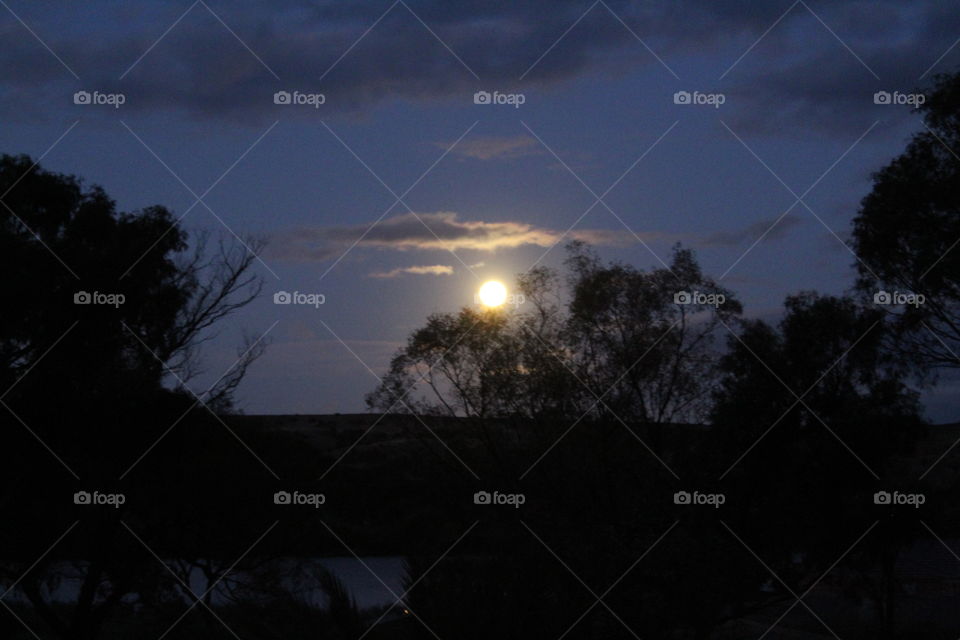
x: 889, y: 594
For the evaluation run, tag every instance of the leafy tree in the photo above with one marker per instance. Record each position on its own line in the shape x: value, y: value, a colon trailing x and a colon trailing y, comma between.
x: 95, y: 382
x: 58, y: 239
x: 617, y: 344
x: 635, y: 347
x: 907, y: 232
x: 907, y: 240
x: 810, y: 416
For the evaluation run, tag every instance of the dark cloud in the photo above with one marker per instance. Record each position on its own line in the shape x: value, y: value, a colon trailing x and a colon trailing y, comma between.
x: 799, y: 72
x: 789, y: 85
x: 752, y: 232
x: 203, y: 68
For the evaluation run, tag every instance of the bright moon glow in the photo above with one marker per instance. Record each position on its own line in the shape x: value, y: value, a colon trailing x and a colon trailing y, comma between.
x: 493, y: 293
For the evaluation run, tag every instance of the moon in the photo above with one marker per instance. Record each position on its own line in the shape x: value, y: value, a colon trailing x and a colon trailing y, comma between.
x: 493, y: 293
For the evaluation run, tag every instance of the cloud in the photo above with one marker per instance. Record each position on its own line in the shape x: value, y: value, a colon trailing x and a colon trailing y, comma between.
x: 433, y: 269
x: 227, y: 61
x: 205, y: 69
x: 789, y: 85
x: 440, y: 231
x: 492, y: 147
x: 752, y: 232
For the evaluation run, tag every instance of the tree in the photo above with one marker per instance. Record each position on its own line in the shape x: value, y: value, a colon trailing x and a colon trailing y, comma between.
x: 907, y: 231
x: 58, y: 240
x: 622, y: 342
x: 106, y: 313
x: 644, y: 343
x: 810, y: 465
x: 907, y: 240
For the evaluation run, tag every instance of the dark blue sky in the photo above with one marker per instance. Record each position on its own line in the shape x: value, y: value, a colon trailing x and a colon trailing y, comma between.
x: 498, y: 185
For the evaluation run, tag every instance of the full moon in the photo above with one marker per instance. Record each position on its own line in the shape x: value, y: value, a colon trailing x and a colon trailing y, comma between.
x: 493, y: 293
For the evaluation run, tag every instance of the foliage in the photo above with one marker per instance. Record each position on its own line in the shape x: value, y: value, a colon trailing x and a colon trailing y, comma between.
x: 618, y: 343
x: 906, y: 233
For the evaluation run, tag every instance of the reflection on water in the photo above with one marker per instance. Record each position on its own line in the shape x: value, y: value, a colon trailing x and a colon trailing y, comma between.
x: 296, y: 575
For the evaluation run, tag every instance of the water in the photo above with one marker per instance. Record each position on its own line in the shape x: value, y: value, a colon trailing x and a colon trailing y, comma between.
x: 357, y: 575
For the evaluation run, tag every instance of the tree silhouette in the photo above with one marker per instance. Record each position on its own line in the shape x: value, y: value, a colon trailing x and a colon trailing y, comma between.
x: 907, y: 230
x: 59, y: 238
x: 618, y: 343
x: 106, y: 312
x: 810, y: 418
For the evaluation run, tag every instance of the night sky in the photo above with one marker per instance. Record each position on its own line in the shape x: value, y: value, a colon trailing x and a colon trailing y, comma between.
x: 399, y: 194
